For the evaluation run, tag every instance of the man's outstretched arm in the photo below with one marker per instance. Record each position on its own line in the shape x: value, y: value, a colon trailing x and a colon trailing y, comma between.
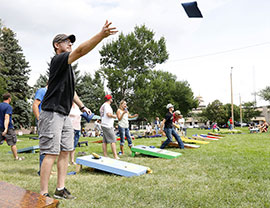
x: 88, y: 45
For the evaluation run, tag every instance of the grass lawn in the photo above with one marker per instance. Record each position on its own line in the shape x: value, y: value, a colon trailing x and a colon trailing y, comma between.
x: 231, y: 172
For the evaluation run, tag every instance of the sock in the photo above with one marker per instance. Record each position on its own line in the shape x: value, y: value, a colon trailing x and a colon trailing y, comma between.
x: 60, y: 189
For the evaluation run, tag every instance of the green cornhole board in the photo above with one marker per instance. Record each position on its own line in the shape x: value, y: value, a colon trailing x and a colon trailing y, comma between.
x: 154, y: 152
x: 27, y: 149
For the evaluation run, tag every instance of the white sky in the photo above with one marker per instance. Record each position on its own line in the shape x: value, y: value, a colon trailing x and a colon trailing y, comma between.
x: 227, y: 25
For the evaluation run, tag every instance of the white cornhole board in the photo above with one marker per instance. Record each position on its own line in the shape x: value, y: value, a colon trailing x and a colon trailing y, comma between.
x: 110, y: 165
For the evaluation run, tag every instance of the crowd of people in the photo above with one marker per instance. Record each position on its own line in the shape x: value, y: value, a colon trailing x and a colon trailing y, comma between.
x: 57, y: 109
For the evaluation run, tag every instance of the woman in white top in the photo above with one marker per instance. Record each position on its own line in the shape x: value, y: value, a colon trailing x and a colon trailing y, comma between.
x: 75, y: 117
x: 123, y: 125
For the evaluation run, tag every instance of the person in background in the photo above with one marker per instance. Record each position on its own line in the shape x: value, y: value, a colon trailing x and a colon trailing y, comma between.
x: 107, y: 120
x: 215, y: 127
x: 97, y: 128
x: 123, y: 125
x: 148, y: 129
x: 75, y: 117
x: 176, y: 118
x: 264, y: 127
x: 168, y: 128
x: 181, y: 122
x: 157, y: 125
x: 36, y: 107
x: 7, y: 131
x: 231, y: 123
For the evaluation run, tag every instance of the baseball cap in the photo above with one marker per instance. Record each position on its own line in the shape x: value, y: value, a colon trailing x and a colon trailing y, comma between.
x: 108, y: 97
x: 192, y: 9
x: 61, y: 37
x: 169, y: 106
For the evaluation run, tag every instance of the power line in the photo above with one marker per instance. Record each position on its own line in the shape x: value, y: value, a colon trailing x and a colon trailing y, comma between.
x: 220, y: 52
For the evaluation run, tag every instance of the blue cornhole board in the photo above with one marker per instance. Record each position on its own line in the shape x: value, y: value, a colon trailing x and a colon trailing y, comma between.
x: 27, y: 149
x: 110, y: 165
x: 153, y: 151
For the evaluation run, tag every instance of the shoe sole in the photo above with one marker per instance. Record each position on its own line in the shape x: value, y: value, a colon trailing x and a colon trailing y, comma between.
x: 60, y: 197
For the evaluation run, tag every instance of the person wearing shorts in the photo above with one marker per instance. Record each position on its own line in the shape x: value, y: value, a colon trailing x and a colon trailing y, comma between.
x: 7, y: 132
x: 55, y: 128
x: 107, y: 120
x: 40, y: 93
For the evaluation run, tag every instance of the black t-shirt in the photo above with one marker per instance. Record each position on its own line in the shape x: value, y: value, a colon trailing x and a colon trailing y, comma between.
x: 168, y: 120
x: 60, y: 92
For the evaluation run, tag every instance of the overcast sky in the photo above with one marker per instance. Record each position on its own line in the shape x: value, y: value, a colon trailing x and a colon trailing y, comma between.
x: 232, y: 33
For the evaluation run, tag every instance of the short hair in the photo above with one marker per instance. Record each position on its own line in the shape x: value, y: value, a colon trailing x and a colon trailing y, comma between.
x: 6, y: 96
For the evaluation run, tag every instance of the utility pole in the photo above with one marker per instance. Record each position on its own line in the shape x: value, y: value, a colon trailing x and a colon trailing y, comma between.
x: 232, y: 98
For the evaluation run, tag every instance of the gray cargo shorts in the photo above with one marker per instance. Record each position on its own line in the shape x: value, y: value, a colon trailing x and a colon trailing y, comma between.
x: 55, y: 133
x: 108, y: 135
x: 10, y: 137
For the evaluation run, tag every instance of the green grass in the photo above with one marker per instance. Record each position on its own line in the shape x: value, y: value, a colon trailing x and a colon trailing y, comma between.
x: 231, y: 172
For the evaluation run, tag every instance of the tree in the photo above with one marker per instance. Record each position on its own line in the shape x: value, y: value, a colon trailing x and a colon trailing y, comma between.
x: 2, y: 80
x: 249, y: 111
x: 228, y: 112
x: 129, y: 57
x: 215, y: 112
x: 16, y: 76
x: 128, y: 68
x: 91, y: 91
x: 2, y: 67
x: 265, y: 93
x: 159, y: 88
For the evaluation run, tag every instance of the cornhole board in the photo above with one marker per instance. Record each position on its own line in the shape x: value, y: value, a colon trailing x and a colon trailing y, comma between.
x: 203, y: 138
x: 210, y: 136
x: 83, y: 142
x: 110, y: 165
x: 188, y: 146
x: 153, y: 136
x: 14, y: 196
x: 98, y: 141
x: 213, y: 134
x: 27, y: 149
x: 34, y: 138
x: 192, y: 141
x: 154, y: 152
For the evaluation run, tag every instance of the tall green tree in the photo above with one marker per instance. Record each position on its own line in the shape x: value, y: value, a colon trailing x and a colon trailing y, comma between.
x: 215, y: 112
x: 249, y: 111
x: 16, y: 77
x: 228, y: 112
x: 2, y: 79
x: 128, y: 68
x: 265, y: 93
x: 91, y: 91
x: 2, y: 67
x: 129, y: 57
x: 158, y: 88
